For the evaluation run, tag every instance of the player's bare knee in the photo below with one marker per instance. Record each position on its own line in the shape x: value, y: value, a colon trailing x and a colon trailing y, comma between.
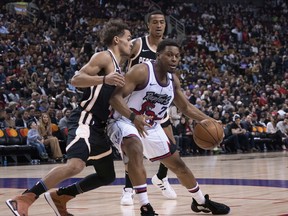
x: 132, y: 148
x: 75, y: 165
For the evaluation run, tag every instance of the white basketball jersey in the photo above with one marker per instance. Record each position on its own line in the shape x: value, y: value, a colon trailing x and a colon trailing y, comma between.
x: 154, y: 99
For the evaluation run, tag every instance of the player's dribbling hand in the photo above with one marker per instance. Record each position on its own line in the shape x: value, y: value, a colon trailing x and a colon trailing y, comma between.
x: 115, y: 79
x: 140, y: 122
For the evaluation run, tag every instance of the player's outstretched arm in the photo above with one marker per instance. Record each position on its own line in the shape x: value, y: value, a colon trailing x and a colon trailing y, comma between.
x: 184, y: 105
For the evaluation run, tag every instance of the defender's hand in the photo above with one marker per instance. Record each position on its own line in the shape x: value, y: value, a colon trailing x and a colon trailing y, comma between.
x: 115, y: 79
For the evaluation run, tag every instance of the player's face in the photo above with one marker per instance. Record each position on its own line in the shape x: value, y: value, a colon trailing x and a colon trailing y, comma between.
x: 125, y: 43
x: 157, y: 25
x: 170, y: 58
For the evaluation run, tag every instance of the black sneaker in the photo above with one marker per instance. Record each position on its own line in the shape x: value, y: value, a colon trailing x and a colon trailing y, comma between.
x: 210, y: 206
x: 147, y: 210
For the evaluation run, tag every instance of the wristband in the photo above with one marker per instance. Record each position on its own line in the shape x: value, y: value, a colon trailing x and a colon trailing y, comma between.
x: 104, y: 79
x: 132, y: 117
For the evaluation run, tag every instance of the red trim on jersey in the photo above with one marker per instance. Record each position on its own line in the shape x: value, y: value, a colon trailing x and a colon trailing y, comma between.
x: 160, y: 157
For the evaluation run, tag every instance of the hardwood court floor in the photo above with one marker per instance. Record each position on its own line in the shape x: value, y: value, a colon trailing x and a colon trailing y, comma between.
x: 251, y: 184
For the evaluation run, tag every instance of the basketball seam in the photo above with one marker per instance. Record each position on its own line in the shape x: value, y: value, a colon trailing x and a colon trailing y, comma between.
x: 202, y: 139
x: 205, y: 148
x: 209, y: 132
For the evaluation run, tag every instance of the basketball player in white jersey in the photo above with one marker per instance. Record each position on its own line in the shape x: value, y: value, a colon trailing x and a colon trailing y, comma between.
x: 149, y: 90
x: 144, y: 49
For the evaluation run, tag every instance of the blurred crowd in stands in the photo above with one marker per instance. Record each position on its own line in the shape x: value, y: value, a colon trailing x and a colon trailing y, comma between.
x: 234, y: 59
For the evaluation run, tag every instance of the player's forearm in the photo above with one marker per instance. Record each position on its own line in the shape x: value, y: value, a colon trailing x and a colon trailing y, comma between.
x: 117, y: 102
x: 83, y: 80
x: 194, y: 113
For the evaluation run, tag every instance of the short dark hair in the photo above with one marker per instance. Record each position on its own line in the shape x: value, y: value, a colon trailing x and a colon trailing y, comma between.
x: 114, y: 27
x: 29, y: 123
x: 154, y: 13
x: 167, y: 42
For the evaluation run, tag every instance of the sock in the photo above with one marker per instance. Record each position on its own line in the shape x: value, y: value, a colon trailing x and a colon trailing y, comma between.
x: 88, y: 183
x: 162, y: 171
x: 128, y: 183
x: 197, y: 194
x: 141, y: 193
x: 38, y: 189
x: 71, y: 190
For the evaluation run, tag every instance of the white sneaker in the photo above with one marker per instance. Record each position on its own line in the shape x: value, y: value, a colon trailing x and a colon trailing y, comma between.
x: 127, y: 197
x: 164, y: 186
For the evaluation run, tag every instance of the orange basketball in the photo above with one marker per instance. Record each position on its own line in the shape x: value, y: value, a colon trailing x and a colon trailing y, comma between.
x: 208, y: 134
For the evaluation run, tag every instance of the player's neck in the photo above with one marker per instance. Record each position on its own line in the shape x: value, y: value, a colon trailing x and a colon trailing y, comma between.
x: 116, y: 54
x: 153, y: 41
x: 160, y: 73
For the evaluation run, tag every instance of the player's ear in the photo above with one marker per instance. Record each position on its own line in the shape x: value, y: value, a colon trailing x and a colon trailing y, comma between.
x: 116, y: 39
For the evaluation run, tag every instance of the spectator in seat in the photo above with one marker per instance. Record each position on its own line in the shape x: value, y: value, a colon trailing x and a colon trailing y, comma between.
x: 63, y: 123
x: 283, y: 127
x: 45, y: 131
x: 58, y: 116
x: 9, y: 118
x: 273, y: 132
x: 22, y: 119
x: 225, y: 118
x: 185, y: 135
x: 3, y: 123
x: 237, y: 129
x: 230, y: 143
x: 34, y: 139
x: 248, y: 126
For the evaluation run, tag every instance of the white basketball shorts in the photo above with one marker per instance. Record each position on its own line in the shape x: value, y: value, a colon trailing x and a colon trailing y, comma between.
x: 156, y: 144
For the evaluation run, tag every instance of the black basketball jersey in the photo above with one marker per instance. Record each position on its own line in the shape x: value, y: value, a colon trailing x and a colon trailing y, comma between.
x: 96, y: 98
x: 144, y: 54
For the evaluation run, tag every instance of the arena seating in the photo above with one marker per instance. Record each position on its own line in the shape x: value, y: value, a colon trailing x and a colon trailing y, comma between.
x: 12, y: 145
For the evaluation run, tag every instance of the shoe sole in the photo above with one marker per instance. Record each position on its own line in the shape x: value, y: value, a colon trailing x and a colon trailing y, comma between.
x: 8, y: 203
x: 51, y: 203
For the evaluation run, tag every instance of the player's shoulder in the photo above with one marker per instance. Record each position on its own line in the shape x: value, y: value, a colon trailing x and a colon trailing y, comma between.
x: 140, y: 67
x: 101, y: 58
x: 103, y: 55
x: 137, y: 43
x: 139, y: 70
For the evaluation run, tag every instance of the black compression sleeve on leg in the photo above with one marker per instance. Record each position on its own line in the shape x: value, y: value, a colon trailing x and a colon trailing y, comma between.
x: 128, y: 183
x: 105, y: 174
x: 162, y: 171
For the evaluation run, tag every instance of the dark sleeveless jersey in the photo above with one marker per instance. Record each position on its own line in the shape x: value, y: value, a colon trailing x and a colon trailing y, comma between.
x: 145, y: 53
x: 96, y: 98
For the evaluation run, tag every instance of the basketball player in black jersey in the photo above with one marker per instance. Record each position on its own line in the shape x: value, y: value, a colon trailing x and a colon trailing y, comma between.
x: 87, y: 140
x: 144, y: 49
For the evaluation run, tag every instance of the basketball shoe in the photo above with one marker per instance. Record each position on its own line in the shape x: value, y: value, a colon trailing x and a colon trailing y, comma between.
x: 19, y: 205
x: 147, y: 210
x: 164, y: 186
x: 58, y: 203
x: 127, y: 197
x: 210, y: 206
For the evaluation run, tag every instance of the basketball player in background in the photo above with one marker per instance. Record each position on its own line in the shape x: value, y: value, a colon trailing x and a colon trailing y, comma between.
x: 87, y: 143
x: 144, y: 49
x: 149, y: 90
